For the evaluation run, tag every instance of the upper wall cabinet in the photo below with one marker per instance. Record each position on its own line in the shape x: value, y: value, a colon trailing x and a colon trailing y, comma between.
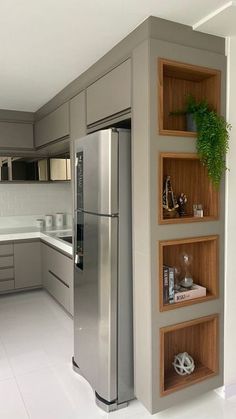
x: 16, y: 135
x: 110, y: 94
x: 53, y: 126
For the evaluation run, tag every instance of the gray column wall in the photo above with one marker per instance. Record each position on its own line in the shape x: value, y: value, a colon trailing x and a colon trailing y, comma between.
x: 147, y: 143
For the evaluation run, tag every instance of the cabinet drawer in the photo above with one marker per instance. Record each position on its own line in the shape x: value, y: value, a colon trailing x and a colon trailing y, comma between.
x: 6, y: 249
x: 6, y: 261
x: 110, y: 94
x: 59, y: 290
x: 60, y: 265
x: 6, y: 274
x: 6, y: 285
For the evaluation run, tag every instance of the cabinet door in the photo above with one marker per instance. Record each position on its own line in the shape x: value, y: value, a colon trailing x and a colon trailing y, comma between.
x: 45, y: 266
x: 110, y: 94
x: 58, y: 276
x: 27, y: 261
x: 16, y: 135
x: 53, y: 126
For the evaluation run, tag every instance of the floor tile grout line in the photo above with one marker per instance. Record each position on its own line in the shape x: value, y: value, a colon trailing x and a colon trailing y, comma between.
x: 15, y: 379
x: 22, y: 398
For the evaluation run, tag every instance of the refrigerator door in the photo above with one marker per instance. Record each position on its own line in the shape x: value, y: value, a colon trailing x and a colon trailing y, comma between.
x: 96, y: 181
x: 95, y: 299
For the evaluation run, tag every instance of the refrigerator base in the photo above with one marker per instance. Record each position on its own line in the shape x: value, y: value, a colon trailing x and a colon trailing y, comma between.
x: 109, y: 406
x: 102, y: 403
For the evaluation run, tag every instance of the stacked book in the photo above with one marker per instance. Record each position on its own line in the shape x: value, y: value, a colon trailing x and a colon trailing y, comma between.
x: 170, y: 295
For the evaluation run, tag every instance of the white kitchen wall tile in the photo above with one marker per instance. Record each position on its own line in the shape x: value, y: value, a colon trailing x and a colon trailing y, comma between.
x: 34, y: 199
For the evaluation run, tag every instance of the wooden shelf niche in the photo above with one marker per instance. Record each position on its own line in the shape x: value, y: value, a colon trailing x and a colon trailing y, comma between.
x: 176, y: 82
x: 204, y: 267
x: 189, y: 176
x: 197, y: 337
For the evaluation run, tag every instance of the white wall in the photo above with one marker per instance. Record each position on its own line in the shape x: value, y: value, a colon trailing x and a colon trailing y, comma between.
x: 34, y: 199
x: 230, y: 277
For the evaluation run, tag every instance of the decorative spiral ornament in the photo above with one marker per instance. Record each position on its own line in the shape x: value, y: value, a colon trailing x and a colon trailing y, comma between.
x: 183, y: 364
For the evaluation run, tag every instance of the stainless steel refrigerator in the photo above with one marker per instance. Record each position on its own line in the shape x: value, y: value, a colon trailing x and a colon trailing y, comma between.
x: 103, y: 331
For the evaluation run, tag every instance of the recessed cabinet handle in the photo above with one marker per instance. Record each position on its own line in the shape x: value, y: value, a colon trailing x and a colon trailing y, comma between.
x: 59, y: 279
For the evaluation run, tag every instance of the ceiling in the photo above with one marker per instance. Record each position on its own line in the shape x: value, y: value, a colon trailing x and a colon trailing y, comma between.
x: 48, y: 43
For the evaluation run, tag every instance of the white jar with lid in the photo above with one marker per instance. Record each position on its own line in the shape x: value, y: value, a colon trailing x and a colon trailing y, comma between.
x: 59, y: 219
x: 48, y: 221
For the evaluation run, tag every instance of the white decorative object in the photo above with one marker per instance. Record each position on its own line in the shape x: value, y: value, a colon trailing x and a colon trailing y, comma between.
x: 59, y: 217
x: 183, y: 364
x: 48, y: 221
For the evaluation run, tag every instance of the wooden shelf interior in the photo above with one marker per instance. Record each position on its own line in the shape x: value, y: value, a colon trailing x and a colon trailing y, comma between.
x: 200, y: 339
x: 189, y: 176
x: 177, y: 82
x: 204, y: 267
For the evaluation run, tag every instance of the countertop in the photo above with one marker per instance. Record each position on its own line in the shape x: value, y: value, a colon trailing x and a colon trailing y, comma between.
x: 49, y: 236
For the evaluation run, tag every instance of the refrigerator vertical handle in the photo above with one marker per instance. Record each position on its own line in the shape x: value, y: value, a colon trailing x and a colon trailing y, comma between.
x: 79, y: 239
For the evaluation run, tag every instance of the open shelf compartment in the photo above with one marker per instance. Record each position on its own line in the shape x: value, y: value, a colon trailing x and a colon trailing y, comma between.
x: 204, y: 267
x: 176, y: 82
x: 199, y: 338
x: 189, y: 176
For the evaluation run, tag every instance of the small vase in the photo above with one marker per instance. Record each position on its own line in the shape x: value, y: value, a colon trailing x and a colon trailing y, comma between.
x: 191, y: 124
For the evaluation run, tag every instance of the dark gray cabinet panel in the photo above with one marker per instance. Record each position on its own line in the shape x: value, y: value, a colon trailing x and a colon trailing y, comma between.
x: 27, y: 261
x: 58, y: 276
x: 16, y: 135
x: 110, y: 94
x: 6, y: 267
x: 53, y: 126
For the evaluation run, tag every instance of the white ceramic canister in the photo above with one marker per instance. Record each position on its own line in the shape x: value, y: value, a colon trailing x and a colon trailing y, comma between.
x: 59, y: 219
x: 48, y: 221
x: 40, y: 223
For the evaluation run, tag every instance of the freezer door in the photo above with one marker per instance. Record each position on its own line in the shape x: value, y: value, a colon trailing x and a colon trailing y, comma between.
x: 96, y: 181
x: 95, y: 299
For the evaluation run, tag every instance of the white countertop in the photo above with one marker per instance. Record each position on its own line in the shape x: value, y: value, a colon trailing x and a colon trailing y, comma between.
x: 51, y: 237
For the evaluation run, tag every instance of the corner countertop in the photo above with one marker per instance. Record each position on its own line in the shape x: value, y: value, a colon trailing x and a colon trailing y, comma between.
x: 52, y: 237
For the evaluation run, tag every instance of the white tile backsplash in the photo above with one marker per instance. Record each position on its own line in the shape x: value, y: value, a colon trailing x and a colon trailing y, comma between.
x: 34, y: 199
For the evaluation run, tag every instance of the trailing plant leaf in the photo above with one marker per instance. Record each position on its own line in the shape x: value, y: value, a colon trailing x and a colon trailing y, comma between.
x: 212, y: 143
x: 212, y: 137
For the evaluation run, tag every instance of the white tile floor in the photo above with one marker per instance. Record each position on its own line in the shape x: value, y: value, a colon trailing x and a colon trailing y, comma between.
x: 36, y: 378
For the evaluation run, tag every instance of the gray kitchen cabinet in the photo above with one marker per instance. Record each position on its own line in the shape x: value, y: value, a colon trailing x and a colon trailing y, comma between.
x: 58, y: 276
x: 110, y: 95
x: 52, y: 127
x: 27, y: 262
x: 16, y: 135
x: 6, y: 267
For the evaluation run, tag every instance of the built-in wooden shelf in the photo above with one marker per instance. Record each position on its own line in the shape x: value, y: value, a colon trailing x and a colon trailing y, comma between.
x: 176, y: 82
x: 204, y: 267
x: 199, y: 338
x: 189, y: 176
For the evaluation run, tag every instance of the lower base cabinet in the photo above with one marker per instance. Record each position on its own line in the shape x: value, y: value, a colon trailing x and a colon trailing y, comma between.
x: 33, y: 264
x: 28, y: 264
x: 58, y: 276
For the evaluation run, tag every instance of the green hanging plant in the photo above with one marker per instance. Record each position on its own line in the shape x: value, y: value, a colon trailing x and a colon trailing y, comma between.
x: 212, y: 137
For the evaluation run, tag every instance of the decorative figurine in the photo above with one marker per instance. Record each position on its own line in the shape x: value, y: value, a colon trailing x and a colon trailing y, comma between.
x: 187, y: 280
x: 169, y: 202
x: 183, y: 364
x: 182, y: 200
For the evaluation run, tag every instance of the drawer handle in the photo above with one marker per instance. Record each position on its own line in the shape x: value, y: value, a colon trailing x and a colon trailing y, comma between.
x: 6, y: 280
x: 59, y: 279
